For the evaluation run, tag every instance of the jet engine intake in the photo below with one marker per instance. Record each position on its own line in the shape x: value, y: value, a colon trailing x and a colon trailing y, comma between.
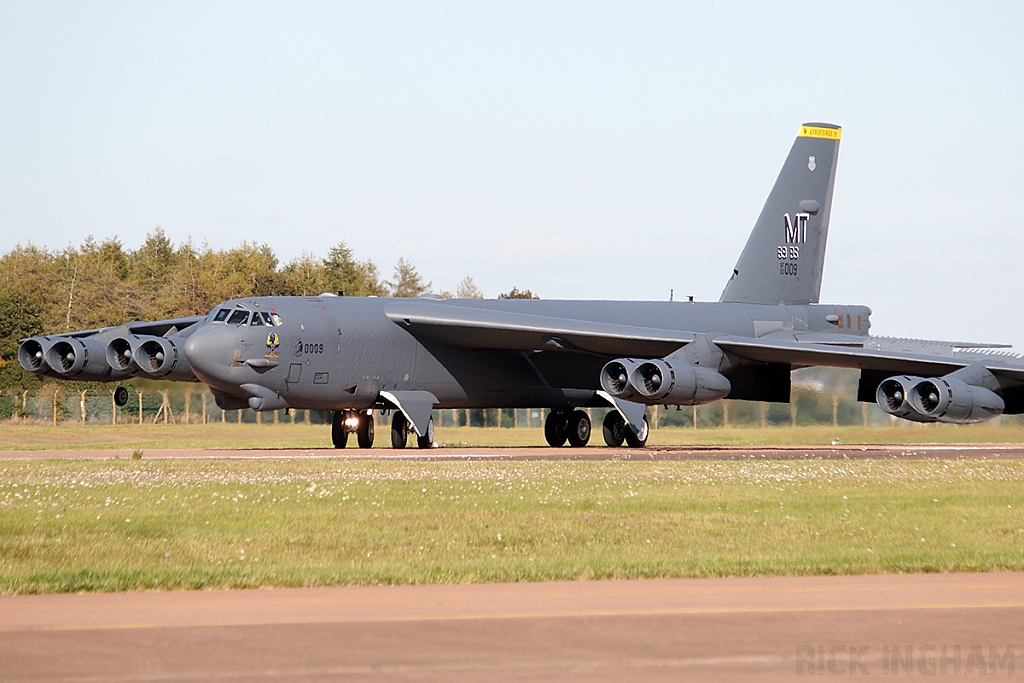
x: 121, y: 353
x: 937, y: 399
x: 615, y: 378
x: 665, y: 382
x: 83, y: 359
x: 32, y: 355
x: 162, y: 358
x: 948, y: 399
x: 893, y: 394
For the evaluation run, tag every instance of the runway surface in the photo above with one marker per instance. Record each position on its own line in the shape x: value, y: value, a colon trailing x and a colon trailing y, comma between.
x: 756, y: 629
x: 838, y: 452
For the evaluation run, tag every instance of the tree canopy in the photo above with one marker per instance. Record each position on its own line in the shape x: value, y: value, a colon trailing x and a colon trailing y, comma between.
x: 98, y: 284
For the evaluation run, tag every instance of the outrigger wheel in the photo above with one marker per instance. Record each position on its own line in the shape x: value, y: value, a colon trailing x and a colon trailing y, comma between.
x: 120, y: 396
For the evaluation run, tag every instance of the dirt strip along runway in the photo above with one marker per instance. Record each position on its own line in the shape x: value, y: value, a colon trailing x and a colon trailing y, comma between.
x: 871, y: 452
x: 939, y: 626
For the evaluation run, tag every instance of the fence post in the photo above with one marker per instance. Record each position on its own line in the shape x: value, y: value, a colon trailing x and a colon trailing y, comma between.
x: 113, y: 410
x: 140, y: 407
x: 55, y: 393
x: 204, y: 406
x: 82, y: 406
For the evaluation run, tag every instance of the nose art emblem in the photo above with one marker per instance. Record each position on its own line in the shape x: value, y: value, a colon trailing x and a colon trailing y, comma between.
x: 273, y: 341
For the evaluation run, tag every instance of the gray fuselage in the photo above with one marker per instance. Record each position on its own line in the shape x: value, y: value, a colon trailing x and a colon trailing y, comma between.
x: 333, y: 353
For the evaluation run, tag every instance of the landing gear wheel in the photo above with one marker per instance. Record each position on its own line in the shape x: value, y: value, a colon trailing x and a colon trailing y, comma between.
x: 399, y: 430
x: 339, y: 432
x: 556, y: 428
x: 364, y: 430
x: 614, y: 429
x: 634, y: 440
x: 120, y: 396
x: 427, y: 440
x: 579, y: 429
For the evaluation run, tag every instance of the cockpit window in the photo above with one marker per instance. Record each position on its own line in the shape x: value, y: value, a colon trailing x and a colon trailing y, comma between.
x: 238, y: 318
x: 256, y: 319
x: 266, y: 319
x: 277, y: 319
x: 221, y: 315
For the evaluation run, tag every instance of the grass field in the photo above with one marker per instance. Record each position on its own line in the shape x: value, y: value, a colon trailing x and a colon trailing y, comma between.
x: 246, y: 435
x: 80, y: 525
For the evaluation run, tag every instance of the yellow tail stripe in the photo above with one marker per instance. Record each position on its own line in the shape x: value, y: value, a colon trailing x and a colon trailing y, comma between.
x: 814, y: 132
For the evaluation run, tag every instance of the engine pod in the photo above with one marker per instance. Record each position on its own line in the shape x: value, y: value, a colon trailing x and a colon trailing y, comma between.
x: 948, y: 399
x: 673, y: 383
x: 79, y: 358
x: 615, y: 378
x: 163, y: 358
x: 32, y: 355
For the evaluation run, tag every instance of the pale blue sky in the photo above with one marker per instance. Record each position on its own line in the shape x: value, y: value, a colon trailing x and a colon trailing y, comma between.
x: 591, y: 150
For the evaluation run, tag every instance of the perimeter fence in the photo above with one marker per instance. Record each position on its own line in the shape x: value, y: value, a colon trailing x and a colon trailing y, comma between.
x: 59, y: 405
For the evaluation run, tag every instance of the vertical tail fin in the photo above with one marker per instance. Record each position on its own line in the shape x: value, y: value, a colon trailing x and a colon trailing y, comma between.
x: 785, y: 254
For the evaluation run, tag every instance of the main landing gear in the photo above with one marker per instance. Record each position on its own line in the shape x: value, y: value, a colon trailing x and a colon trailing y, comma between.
x: 347, y: 421
x: 400, y: 430
x: 574, y: 427
x: 563, y: 425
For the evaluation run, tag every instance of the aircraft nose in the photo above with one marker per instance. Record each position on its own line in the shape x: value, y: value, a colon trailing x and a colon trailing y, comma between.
x: 209, y: 351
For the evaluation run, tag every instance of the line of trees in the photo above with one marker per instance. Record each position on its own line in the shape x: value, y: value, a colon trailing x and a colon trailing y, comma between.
x: 98, y: 284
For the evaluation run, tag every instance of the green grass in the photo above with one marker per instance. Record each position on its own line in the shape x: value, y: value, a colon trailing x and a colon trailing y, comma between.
x: 82, y: 525
x: 284, y: 435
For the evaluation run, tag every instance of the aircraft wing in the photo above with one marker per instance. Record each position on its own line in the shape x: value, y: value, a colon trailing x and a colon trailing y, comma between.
x: 940, y: 362
x: 479, y: 328
x: 465, y: 327
x: 158, y: 328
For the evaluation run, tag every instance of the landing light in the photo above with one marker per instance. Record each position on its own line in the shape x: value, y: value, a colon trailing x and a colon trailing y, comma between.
x: 352, y: 422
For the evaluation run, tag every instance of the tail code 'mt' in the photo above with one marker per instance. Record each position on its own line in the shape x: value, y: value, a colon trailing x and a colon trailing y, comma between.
x: 784, y: 256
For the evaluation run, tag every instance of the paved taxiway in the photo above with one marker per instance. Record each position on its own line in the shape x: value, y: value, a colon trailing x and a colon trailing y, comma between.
x: 754, y: 629
x: 838, y: 452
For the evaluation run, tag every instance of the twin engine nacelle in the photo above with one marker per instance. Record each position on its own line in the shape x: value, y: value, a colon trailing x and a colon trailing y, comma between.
x: 663, y: 382
x: 90, y: 359
x: 937, y: 399
x: 156, y: 357
x: 66, y: 357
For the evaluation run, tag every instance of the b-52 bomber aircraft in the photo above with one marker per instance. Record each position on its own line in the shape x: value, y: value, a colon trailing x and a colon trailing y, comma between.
x: 354, y: 355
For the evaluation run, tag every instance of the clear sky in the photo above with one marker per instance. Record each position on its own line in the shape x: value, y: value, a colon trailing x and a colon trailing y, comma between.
x: 582, y: 150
